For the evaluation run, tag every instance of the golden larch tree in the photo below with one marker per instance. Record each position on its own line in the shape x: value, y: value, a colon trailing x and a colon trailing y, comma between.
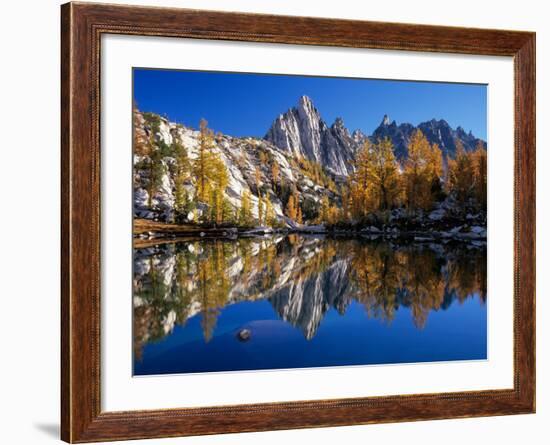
x: 258, y: 178
x: 275, y: 174
x: 245, y: 212
x: 480, y: 175
x: 423, y: 169
x: 208, y: 167
x: 360, y: 204
x: 299, y: 217
x: 261, y: 213
x: 325, y: 210
x: 269, y: 212
x: 383, y: 175
x: 461, y: 174
x: 291, y: 210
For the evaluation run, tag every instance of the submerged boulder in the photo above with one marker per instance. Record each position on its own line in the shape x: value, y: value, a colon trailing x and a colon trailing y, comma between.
x: 244, y: 335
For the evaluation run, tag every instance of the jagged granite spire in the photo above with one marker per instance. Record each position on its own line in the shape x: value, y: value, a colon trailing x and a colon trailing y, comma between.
x: 302, y: 132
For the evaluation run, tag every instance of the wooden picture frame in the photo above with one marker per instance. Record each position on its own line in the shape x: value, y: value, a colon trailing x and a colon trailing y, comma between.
x: 82, y: 25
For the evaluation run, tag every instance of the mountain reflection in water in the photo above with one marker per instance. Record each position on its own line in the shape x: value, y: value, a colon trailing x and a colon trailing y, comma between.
x: 183, y: 289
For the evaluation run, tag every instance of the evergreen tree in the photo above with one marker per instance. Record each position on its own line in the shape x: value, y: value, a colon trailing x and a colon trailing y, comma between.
x: 182, y: 204
x: 142, y: 145
x: 435, y: 172
x: 156, y: 170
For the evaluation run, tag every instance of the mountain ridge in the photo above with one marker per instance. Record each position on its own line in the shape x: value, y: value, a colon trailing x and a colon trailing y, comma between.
x: 437, y: 131
x: 312, y: 160
x: 301, y: 130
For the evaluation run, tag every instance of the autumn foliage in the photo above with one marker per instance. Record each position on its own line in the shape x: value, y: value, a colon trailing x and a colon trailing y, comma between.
x: 423, y: 170
x: 379, y: 183
x: 467, y: 177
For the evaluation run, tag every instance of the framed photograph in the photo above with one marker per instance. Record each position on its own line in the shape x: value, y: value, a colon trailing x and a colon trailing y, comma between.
x: 275, y: 222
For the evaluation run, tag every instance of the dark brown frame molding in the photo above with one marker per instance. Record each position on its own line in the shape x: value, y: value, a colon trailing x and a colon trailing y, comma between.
x: 82, y: 25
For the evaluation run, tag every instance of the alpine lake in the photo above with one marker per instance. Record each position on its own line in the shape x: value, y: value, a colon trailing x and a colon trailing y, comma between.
x: 290, y: 300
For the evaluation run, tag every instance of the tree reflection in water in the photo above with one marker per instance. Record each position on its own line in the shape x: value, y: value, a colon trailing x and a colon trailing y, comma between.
x: 301, y: 276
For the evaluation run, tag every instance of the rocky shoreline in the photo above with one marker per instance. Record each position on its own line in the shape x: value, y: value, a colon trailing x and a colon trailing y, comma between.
x: 475, y: 234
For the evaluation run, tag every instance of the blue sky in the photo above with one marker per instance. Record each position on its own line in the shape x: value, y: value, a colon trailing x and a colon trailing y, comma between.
x: 246, y: 104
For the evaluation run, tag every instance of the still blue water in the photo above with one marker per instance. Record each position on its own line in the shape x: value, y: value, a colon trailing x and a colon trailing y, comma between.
x: 307, y: 303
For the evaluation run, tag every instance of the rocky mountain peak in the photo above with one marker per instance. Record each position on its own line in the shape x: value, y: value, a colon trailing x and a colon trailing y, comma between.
x: 338, y: 123
x: 339, y: 127
x: 306, y: 110
x: 436, y: 131
x: 358, y: 136
x: 302, y: 132
x: 306, y: 102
